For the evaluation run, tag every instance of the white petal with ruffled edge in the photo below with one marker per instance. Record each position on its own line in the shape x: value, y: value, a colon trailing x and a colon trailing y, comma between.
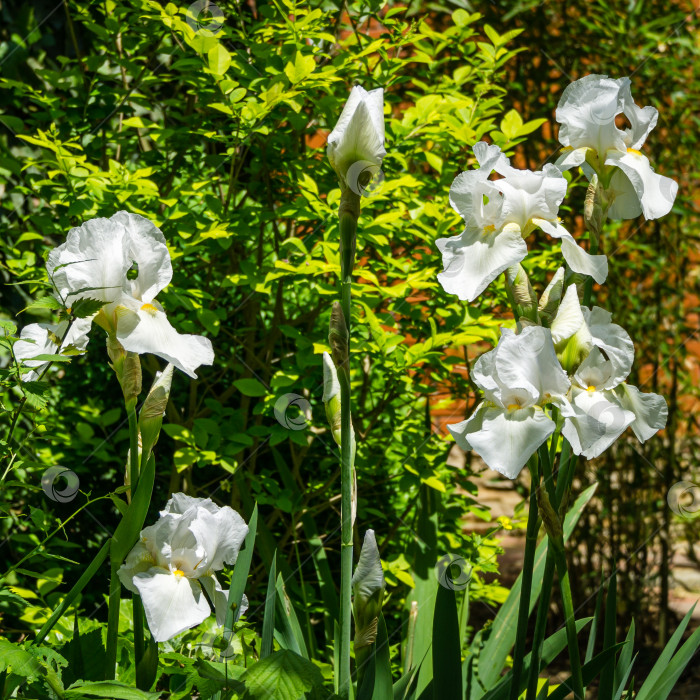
x: 592, y: 422
x: 529, y: 195
x: 148, y: 250
x: 220, y: 536
x: 475, y: 258
x: 138, y: 561
x: 147, y: 330
x: 172, y: 603
x: 612, y: 339
x: 92, y: 263
x: 40, y: 339
x: 650, y: 410
x: 579, y: 260
x: 587, y: 111
x: 528, y: 361
x: 656, y: 193
x: 504, y: 439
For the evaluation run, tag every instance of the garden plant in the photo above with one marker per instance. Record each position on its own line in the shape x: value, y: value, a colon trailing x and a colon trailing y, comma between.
x: 251, y: 250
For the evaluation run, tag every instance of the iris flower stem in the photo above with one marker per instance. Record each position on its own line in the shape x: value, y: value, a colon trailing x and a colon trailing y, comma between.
x: 134, y: 469
x: 348, y: 215
x: 547, y: 580
x: 526, y: 585
x: 115, y: 590
x: 571, y: 634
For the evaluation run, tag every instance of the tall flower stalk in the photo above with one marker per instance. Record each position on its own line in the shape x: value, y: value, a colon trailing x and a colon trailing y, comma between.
x: 555, y: 386
x: 355, y: 151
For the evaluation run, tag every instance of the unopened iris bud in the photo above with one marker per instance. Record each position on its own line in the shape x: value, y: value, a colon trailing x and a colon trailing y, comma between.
x: 572, y: 337
x: 338, y: 337
x: 127, y: 367
x: 368, y: 586
x: 522, y: 292
x: 331, y: 396
x: 549, y: 301
x: 151, y: 416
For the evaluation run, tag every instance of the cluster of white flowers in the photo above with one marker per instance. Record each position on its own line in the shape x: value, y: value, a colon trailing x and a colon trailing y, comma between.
x: 124, y: 262
x: 173, y: 565
x: 578, y: 365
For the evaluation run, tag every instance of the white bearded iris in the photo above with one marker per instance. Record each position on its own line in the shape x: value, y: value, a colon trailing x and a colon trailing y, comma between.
x: 95, y: 262
x: 48, y: 339
x: 356, y: 145
x: 498, y: 215
x: 519, y: 377
x: 587, y: 111
x: 600, y: 405
x: 174, y: 563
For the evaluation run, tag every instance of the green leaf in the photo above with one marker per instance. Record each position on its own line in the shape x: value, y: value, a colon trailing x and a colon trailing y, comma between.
x: 288, y: 630
x: 590, y: 672
x: 219, y: 59
x: 502, y: 637
x: 664, y: 659
x: 19, y: 661
x: 241, y: 570
x: 302, y: 67
x: 283, y: 675
x: 671, y: 672
x: 84, y: 308
x: 269, y: 614
x: 250, y: 387
x: 447, y: 657
x: 108, y: 689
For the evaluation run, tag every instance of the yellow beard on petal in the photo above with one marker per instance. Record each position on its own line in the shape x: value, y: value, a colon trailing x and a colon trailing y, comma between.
x: 178, y: 572
x: 149, y: 308
x: 634, y: 151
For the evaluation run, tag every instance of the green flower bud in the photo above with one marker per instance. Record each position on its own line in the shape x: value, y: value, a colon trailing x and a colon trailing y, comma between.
x: 338, y: 338
x: 127, y: 367
x: 523, y: 294
x: 549, y: 301
x: 368, y: 592
x: 331, y: 396
x: 151, y: 415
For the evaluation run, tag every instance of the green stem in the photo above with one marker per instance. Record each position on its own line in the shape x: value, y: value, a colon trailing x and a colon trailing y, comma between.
x: 348, y: 215
x: 547, y: 579
x: 115, y: 590
x: 526, y: 586
x: 571, y: 635
x: 74, y: 592
x: 540, y: 625
x: 133, y: 446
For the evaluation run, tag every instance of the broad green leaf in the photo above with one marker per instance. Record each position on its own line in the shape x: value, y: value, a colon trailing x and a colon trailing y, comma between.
x: 283, y: 675
x: 219, y: 59
x: 250, y: 387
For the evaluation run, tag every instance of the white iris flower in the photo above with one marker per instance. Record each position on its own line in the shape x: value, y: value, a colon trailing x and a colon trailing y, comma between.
x: 174, y: 563
x: 125, y: 262
x: 519, y: 378
x: 587, y: 112
x: 600, y: 405
x: 498, y: 215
